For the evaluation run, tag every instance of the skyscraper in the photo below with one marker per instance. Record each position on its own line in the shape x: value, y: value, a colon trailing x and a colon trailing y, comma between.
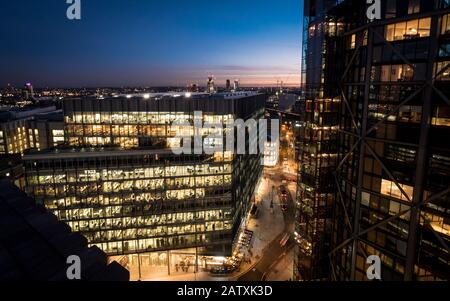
x: 210, y: 87
x: 29, y: 91
x: 394, y: 175
x: 317, y: 144
x: 236, y: 85
x: 391, y: 173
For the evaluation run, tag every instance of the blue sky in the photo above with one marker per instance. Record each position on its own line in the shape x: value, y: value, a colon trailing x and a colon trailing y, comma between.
x: 137, y: 42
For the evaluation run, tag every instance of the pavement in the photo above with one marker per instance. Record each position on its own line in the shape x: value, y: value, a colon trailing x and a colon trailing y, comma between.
x: 283, y: 269
x: 273, y: 253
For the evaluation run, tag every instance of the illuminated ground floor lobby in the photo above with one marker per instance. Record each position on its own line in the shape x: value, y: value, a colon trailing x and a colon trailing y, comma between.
x: 185, y: 263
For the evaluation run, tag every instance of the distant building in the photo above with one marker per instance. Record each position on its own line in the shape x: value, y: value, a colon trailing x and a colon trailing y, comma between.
x: 17, y: 131
x: 48, y: 129
x: 210, y: 87
x: 29, y: 91
x: 236, y: 85
x: 228, y: 85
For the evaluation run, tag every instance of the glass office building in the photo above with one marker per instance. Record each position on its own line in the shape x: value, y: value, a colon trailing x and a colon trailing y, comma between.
x: 317, y: 142
x: 391, y: 175
x: 394, y: 173
x: 119, y: 183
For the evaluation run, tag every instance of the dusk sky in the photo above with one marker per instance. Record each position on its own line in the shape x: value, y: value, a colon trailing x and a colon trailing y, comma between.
x: 150, y: 43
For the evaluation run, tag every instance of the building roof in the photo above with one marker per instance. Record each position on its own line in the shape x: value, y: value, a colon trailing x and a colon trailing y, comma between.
x: 34, y: 245
x: 182, y: 95
x: 91, y: 152
x: 16, y: 113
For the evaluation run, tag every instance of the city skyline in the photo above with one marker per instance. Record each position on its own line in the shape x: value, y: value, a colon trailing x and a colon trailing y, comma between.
x: 151, y: 44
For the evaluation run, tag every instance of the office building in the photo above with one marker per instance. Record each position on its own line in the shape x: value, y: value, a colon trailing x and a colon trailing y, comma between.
x: 236, y: 86
x: 391, y: 175
x: 316, y: 144
x: 120, y: 184
x: 210, y: 87
x: 35, y: 246
x: 394, y: 171
x: 17, y: 130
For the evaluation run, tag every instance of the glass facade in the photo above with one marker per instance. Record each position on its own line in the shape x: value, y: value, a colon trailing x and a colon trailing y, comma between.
x: 389, y: 161
x: 316, y: 143
x: 136, y: 195
x: 393, y: 178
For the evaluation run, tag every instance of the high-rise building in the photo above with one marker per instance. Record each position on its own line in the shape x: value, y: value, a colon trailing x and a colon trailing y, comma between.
x: 228, y: 85
x: 391, y: 175
x: 394, y: 167
x: 29, y: 91
x: 210, y: 87
x: 236, y: 85
x: 316, y: 144
x: 121, y: 185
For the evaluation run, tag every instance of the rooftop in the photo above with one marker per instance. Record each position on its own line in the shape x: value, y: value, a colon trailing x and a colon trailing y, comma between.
x: 15, y: 113
x: 87, y: 152
x: 193, y: 95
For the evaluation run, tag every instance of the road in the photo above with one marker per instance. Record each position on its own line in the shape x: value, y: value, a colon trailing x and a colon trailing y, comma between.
x: 273, y: 252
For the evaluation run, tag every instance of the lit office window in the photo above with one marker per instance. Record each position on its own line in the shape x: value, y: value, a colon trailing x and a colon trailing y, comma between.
x: 395, y: 73
x: 441, y: 67
x: 390, y: 189
x: 418, y: 28
x: 58, y: 137
x: 441, y: 116
x: 353, y: 41
x: 438, y: 223
x: 445, y: 27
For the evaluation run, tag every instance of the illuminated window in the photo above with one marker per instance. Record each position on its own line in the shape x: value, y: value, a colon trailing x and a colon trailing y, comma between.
x: 395, y: 73
x: 390, y: 188
x: 353, y: 42
x: 445, y: 75
x: 445, y: 27
x: 441, y: 116
x: 408, y: 30
x: 438, y: 223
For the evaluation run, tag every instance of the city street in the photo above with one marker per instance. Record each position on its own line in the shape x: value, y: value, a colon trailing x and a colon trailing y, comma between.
x: 274, y: 252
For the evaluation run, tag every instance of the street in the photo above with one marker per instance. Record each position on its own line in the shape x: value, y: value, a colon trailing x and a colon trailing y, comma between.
x: 273, y: 252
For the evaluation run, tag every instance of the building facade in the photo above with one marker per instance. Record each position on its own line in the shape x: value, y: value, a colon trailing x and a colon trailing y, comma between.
x: 393, y: 175
x: 121, y: 185
x: 317, y: 142
x: 35, y: 127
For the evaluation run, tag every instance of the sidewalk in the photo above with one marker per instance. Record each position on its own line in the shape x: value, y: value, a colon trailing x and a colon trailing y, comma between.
x: 268, y: 225
x: 283, y: 270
